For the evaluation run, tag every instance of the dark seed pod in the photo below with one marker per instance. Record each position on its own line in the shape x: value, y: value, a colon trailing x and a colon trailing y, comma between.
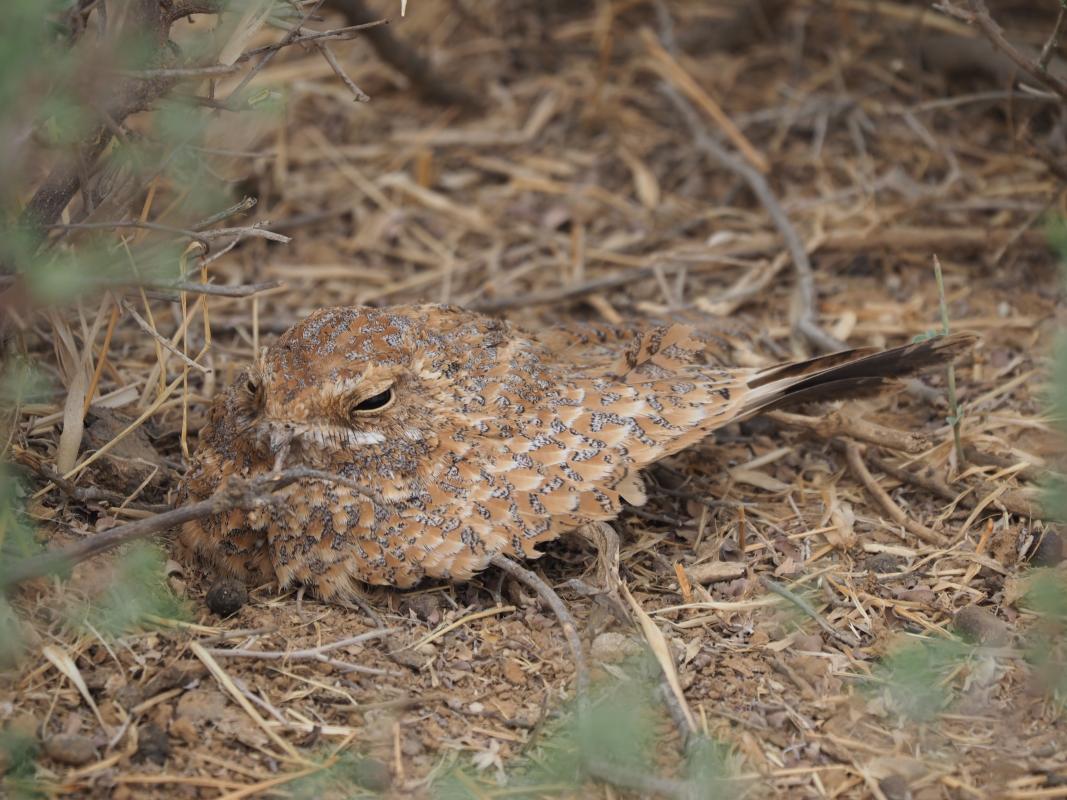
x: 226, y: 596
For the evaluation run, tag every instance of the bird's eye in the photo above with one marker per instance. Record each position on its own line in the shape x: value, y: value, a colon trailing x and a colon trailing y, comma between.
x: 253, y: 390
x: 378, y: 402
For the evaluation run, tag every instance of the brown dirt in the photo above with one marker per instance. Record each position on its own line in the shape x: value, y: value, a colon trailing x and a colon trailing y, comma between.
x: 581, y: 169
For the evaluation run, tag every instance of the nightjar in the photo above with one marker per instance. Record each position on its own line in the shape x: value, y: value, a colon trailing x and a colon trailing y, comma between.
x: 460, y: 436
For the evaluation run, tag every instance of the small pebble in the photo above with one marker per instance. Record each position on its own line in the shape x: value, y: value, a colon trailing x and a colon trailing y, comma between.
x: 611, y: 647
x: 129, y: 696
x: 884, y: 562
x: 427, y: 607
x: 979, y: 625
x: 226, y: 596
x: 895, y: 787
x: 1049, y: 551
x: 415, y: 658
x: 153, y: 743
x: 920, y: 594
x: 412, y: 746
x: 809, y: 642
x: 71, y: 749
x: 372, y: 774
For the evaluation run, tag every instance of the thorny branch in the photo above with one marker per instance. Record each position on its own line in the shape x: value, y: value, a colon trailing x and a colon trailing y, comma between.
x: 144, y: 19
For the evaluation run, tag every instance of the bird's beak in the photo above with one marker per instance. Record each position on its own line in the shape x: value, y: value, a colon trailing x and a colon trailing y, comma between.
x: 280, y: 441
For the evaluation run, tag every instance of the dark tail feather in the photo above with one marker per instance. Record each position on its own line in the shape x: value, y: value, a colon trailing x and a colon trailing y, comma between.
x: 850, y: 373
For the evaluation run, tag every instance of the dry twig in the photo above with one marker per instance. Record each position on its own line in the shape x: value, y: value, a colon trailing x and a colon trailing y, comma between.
x: 1037, y: 68
x: 859, y: 469
x: 804, y: 323
x: 838, y: 423
x: 406, y: 60
x: 809, y: 609
x: 243, y: 494
x: 570, y: 628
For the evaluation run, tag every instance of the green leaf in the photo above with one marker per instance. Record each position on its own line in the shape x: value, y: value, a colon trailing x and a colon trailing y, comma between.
x: 138, y: 589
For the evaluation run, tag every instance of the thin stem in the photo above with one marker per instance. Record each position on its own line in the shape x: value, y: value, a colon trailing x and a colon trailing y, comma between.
x: 954, y: 409
x: 570, y: 627
x: 1053, y: 42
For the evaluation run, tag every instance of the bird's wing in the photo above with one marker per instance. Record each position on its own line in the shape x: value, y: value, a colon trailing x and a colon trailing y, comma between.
x: 545, y: 449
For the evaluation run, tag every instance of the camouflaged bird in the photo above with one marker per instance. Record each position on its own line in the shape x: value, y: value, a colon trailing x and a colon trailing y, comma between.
x: 461, y: 437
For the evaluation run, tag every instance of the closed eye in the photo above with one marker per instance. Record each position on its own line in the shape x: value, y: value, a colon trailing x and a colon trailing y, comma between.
x: 374, y: 403
x: 253, y: 393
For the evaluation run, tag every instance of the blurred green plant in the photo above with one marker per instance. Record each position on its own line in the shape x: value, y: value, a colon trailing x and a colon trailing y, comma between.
x: 1045, y: 646
x: 135, y: 197
x: 136, y: 591
x: 68, y: 80
x: 18, y: 751
x: 914, y: 676
x: 619, y: 741
x: 1046, y: 595
x: 349, y: 776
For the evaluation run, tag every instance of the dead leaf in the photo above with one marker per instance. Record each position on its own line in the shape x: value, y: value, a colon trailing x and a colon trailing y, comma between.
x: 646, y: 186
x: 65, y: 664
x: 658, y: 643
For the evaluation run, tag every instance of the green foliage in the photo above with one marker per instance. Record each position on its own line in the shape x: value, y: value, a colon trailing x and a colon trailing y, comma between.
x: 12, y: 642
x: 18, y: 751
x: 58, y: 86
x: 16, y: 535
x: 622, y: 733
x: 1047, y: 595
x: 137, y: 589
x: 914, y: 673
x: 349, y: 777
x: 1056, y: 231
x: 55, y: 89
x: 1046, y: 644
x: 19, y: 383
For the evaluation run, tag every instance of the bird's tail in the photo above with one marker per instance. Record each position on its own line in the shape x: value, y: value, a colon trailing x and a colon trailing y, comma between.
x: 849, y: 373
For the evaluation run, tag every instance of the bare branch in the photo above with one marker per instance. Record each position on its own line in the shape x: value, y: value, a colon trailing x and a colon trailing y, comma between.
x: 1053, y: 42
x: 335, y: 65
x: 559, y: 608
x: 219, y: 290
x: 397, y: 54
x: 242, y: 494
x: 1036, y: 68
x: 859, y: 469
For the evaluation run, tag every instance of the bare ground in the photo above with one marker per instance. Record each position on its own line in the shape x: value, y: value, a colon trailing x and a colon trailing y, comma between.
x: 580, y: 191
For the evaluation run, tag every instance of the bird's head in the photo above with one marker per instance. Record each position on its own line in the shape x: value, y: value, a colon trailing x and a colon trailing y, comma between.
x: 359, y: 390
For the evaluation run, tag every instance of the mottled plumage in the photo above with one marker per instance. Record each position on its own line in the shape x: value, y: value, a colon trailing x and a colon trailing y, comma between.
x: 468, y: 437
